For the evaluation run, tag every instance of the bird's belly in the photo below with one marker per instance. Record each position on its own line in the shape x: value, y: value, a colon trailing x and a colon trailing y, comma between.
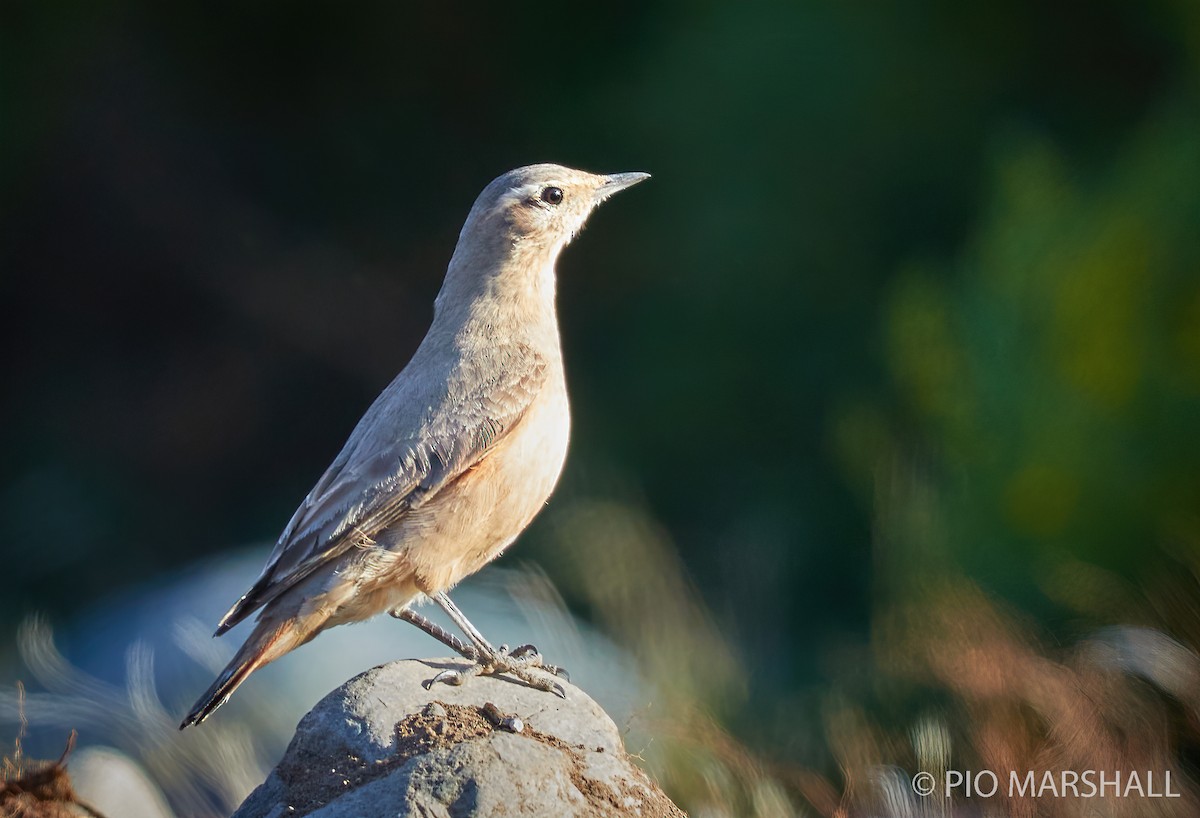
x: 470, y: 522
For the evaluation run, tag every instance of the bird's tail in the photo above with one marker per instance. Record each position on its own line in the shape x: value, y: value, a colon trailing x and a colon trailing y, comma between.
x: 268, y: 642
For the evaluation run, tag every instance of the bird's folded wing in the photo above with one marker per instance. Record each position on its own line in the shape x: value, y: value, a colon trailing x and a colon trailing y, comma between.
x: 374, y: 481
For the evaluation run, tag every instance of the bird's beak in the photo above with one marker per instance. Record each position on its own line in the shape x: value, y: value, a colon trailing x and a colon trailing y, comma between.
x: 614, y: 182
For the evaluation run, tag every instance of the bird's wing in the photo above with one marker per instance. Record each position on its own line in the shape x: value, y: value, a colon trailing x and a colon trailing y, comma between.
x: 389, y: 466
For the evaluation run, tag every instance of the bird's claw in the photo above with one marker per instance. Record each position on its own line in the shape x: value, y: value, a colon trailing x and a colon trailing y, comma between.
x: 530, y: 656
x: 519, y: 663
x: 454, y: 678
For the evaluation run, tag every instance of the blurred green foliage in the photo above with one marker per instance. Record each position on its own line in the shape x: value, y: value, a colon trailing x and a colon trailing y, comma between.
x: 1051, y: 365
x: 915, y: 288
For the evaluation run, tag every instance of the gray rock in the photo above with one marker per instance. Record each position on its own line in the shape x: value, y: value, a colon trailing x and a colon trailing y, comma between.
x: 382, y: 745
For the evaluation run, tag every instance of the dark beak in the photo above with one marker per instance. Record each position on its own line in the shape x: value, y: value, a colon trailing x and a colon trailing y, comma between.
x: 614, y: 182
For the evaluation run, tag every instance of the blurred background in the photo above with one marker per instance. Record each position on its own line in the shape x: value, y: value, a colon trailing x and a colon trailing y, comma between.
x: 886, y: 387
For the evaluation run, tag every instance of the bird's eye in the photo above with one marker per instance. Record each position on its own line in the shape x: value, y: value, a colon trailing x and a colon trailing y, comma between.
x: 552, y: 195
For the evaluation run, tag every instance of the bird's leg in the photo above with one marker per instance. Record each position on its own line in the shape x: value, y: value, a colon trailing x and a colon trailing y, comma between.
x: 437, y: 632
x: 527, y: 654
x: 491, y: 660
x: 464, y: 624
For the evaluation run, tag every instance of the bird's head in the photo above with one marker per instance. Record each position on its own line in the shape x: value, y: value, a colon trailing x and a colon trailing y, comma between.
x: 507, y: 249
x: 542, y: 207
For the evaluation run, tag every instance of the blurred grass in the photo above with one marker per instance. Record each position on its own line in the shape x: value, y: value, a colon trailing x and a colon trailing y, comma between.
x: 953, y: 681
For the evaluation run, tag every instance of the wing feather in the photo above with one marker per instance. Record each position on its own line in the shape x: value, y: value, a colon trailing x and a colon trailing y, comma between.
x: 391, y: 465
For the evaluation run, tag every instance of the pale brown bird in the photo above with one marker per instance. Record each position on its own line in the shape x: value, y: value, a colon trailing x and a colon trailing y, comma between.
x: 455, y: 457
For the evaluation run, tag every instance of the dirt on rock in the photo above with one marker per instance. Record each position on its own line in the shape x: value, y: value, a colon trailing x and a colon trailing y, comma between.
x: 443, y: 726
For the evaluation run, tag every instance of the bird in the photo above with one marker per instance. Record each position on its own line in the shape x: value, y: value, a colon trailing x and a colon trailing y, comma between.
x: 453, y: 459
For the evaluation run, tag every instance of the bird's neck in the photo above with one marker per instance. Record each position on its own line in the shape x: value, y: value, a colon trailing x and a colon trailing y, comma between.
x: 503, y: 293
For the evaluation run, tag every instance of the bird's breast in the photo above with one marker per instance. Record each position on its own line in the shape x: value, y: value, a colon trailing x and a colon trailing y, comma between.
x: 472, y: 520
x: 525, y: 464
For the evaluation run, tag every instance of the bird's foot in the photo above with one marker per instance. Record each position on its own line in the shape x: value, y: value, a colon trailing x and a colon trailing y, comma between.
x: 533, y: 657
x: 519, y: 663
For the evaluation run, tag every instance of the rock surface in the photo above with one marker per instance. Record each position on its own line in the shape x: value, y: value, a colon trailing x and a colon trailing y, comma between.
x: 382, y: 745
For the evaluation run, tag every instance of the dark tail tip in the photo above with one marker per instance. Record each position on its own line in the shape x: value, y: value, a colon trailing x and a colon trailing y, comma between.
x: 202, y: 709
x: 255, y: 653
x: 216, y: 695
